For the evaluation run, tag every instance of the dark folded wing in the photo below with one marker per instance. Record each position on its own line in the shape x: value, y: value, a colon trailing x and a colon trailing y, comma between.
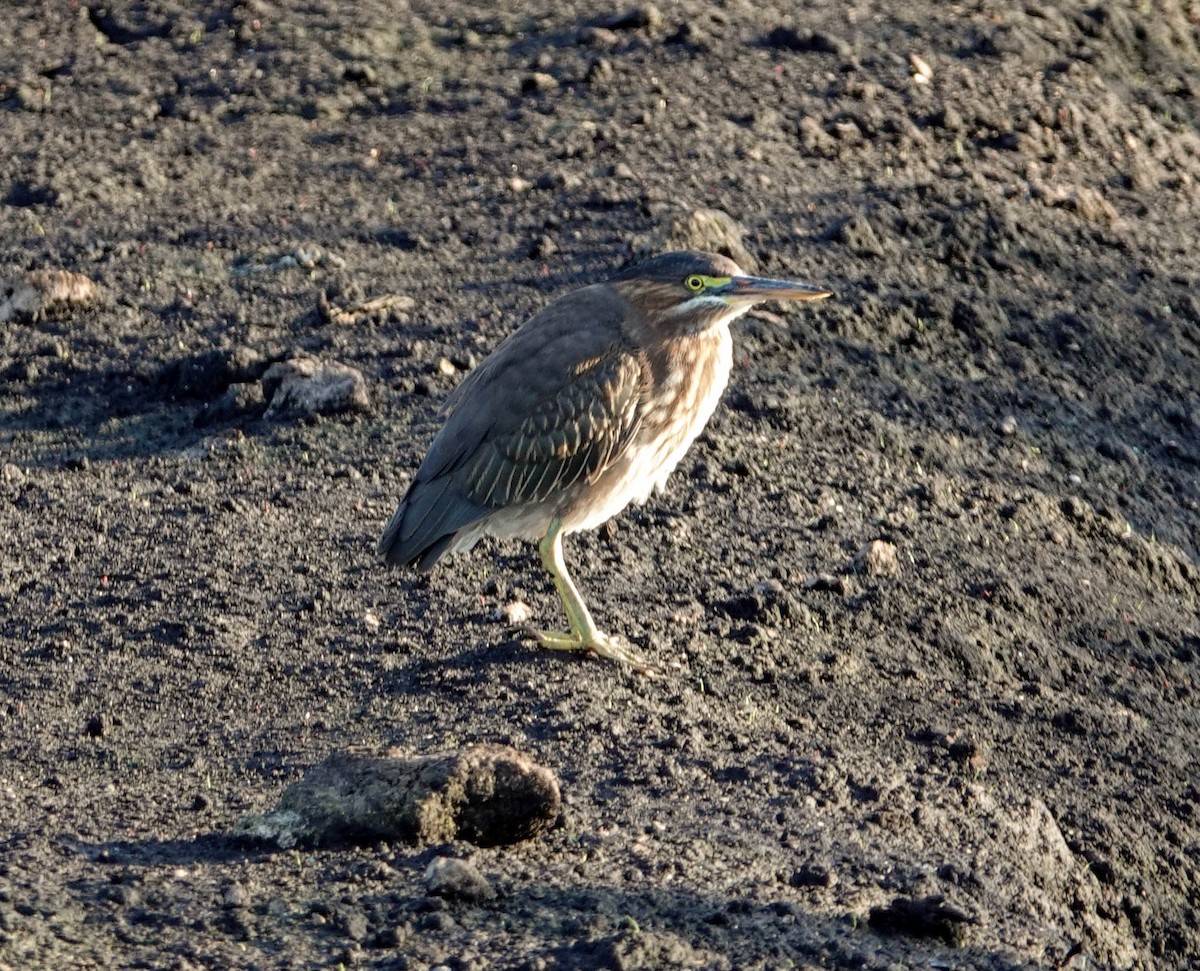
x: 554, y: 405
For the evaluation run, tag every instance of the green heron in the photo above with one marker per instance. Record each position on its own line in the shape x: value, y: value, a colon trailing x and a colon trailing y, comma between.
x: 588, y: 406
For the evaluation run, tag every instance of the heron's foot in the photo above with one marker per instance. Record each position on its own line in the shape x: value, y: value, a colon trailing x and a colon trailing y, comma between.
x: 602, y: 645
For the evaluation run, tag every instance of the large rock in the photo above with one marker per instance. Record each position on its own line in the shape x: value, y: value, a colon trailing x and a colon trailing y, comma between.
x: 488, y: 795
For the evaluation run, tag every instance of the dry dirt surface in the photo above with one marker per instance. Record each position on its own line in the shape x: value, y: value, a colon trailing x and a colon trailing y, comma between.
x: 925, y: 592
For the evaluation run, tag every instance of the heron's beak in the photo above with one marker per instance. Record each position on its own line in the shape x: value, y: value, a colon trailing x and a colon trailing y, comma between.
x: 755, y: 289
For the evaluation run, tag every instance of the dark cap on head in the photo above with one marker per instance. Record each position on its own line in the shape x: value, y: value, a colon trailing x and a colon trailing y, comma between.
x: 675, y: 266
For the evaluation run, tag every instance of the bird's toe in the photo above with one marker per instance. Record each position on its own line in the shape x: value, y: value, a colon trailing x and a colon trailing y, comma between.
x: 604, y: 646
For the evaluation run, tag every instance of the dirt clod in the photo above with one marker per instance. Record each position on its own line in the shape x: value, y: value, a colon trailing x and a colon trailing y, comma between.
x: 46, y: 293
x: 488, y: 795
x: 703, y: 230
x: 878, y: 558
x: 458, y: 879
x: 304, y: 387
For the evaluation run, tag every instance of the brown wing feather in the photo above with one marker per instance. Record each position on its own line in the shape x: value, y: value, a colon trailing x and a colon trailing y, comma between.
x: 553, y: 404
x: 572, y: 436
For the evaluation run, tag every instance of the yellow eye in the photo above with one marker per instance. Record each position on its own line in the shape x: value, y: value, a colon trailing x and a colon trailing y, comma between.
x: 694, y: 283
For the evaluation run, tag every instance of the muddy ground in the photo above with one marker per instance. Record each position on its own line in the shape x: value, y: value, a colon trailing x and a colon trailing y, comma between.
x: 1006, y: 389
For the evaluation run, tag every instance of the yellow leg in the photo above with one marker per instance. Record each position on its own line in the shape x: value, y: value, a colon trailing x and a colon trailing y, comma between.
x: 584, y: 635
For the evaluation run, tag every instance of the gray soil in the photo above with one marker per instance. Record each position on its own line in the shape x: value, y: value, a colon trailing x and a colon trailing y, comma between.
x: 980, y: 753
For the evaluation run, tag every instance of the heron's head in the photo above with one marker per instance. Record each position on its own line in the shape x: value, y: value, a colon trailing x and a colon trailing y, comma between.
x: 693, y: 292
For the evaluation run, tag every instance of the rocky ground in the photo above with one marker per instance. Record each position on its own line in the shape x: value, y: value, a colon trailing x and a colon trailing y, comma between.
x: 969, y: 745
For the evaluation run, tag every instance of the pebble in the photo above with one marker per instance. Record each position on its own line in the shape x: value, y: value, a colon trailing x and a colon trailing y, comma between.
x: 949, y: 119
x: 538, y: 82
x: 353, y: 925
x: 457, y: 879
x: 922, y: 73
x: 831, y: 582
x: 516, y: 612
x: 600, y: 37
x: 813, y: 875
x: 543, y: 247
x: 878, y: 558
x: 1007, y: 425
x: 236, y: 896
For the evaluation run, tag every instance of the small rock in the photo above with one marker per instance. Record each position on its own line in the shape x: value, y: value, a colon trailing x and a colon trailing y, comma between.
x: 235, y: 897
x: 1007, y: 426
x: 352, y: 924
x: 600, y: 37
x: 949, y: 119
x: 304, y: 386
x: 922, y: 73
x: 543, y: 247
x: 516, y: 613
x: 239, y: 401
x: 813, y: 875
x: 457, y: 880
x: 830, y: 582
x: 878, y: 558
x: 539, y: 82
